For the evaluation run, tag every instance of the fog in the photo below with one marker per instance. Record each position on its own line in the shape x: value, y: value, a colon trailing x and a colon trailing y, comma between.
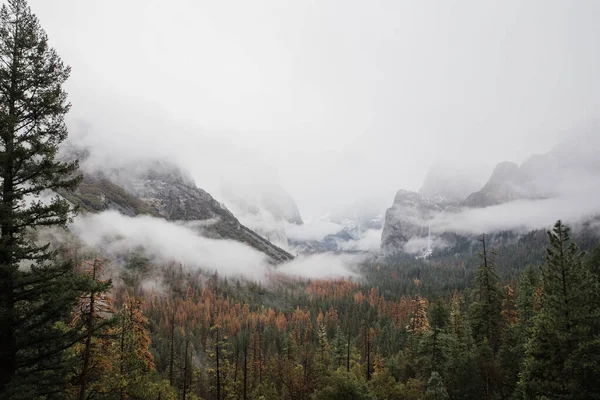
x: 334, y: 100
x: 561, y: 184
x: 323, y: 266
x: 521, y: 215
x: 340, y: 103
x: 115, y: 234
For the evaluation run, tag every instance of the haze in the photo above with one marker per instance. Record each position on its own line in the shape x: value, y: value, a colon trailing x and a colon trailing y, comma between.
x: 335, y: 100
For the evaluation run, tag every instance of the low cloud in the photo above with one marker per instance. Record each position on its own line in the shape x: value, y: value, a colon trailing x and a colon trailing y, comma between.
x: 522, y: 215
x: 418, y: 245
x: 113, y: 234
x: 324, y: 266
x: 370, y: 241
x: 315, y: 230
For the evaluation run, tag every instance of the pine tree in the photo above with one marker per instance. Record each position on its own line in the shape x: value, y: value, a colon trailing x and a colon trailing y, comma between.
x: 562, y: 356
x: 323, y: 343
x: 432, y: 346
x: 486, y: 321
x: 435, y: 388
x: 32, y: 109
x: 516, y: 335
x: 486, y: 311
x: 592, y: 262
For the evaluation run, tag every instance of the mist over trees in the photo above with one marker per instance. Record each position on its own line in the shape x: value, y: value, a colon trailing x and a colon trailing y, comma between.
x: 75, y: 326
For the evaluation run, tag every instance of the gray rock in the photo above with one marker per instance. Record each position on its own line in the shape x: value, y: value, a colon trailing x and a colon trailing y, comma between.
x: 408, y: 218
x: 162, y: 189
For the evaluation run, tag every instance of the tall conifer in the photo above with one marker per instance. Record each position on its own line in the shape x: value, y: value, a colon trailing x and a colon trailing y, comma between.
x: 32, y: 109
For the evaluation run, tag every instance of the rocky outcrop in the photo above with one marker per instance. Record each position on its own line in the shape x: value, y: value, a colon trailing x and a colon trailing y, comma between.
x: 162, y: 189
x: 571, y: 167
x: 507, y: 183
x: 408, y: 218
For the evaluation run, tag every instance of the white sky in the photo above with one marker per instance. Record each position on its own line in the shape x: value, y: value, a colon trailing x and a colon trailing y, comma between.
x: 337, y: 100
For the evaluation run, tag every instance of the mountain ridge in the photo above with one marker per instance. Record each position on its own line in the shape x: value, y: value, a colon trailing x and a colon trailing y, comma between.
x: 162, y: 189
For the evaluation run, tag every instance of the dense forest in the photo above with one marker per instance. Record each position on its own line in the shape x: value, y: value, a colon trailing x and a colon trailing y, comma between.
x: 397, y: 332
x: 505, y: 323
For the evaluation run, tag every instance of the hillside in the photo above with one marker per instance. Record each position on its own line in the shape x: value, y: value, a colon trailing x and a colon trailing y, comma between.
x: 161, y: 189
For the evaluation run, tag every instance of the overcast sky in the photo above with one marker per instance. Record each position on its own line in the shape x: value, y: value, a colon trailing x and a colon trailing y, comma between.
x: 336, y: 100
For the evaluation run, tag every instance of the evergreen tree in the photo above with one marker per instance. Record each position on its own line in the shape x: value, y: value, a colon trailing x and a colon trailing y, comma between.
x: 517, y: 333
x: 562, y: 356
x: 486, y: 310
x: 435, y: 388
x: 592, y: 261
x: 323, y: 343
x: 486, y: 321
x: 433, y: 344
x: 32, y: 109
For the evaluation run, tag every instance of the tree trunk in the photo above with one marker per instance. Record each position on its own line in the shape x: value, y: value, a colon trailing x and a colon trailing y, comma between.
x: 348, y: 353
x: 368, y: 358
x: 185, y: 371
x: 8, y: 347
x: 122, y: 361
x: 218, y: 370
x: 245, y: 368
x: 172, y: 354
x: 88, y: 340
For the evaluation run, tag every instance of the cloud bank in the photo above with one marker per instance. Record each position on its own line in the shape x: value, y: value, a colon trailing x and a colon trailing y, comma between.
x: 112, y: 233
x: 323, y: 266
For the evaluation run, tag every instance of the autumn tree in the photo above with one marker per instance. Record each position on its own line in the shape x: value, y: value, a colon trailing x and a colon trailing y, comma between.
x: 95, y: 314
x: 135, y: 360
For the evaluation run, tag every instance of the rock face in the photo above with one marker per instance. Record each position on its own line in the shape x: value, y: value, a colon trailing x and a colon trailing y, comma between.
x: 408, y: 217
x: 570, y: 167
x: 507, y: 183
x: 161, y: 189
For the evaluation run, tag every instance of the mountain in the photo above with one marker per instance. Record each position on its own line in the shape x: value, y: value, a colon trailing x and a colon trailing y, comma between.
x: 507, y: 183
x: 570, y: 169
x: 407, y: 219
x: 161, y: 189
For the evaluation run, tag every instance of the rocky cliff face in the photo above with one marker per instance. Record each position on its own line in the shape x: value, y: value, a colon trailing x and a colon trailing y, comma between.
x: 507, y: 183
x: 568, y: 168
x: 408, y: 218
x: 161, y: 189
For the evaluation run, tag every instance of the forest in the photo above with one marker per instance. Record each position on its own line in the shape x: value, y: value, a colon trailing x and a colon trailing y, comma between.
x: 74, y: 324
